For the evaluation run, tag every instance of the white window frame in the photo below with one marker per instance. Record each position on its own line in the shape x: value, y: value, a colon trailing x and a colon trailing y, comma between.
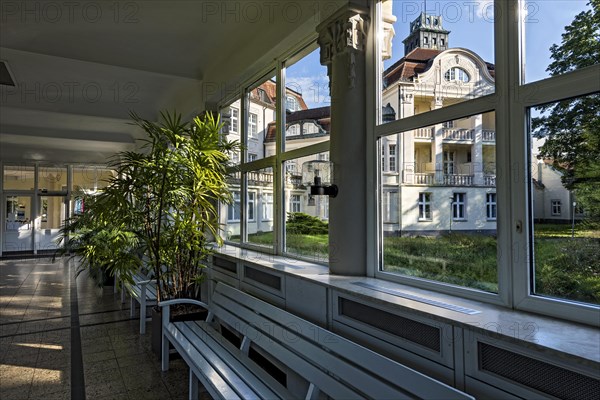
x: 457, y: 74
x: 233, y: 212
x: 267, y: 206
x: 555, y: 207
x: 491, y: 206
x: 510, y: 101
x: 252, y: 125
x: 459, y: 206
x: 392, y: 152
x: 251, y: 199
x: 234, y: 119
x: 295, y: 203
x: 424, y: 203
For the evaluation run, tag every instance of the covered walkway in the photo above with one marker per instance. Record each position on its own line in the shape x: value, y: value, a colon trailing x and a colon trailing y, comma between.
x: 65, y: 338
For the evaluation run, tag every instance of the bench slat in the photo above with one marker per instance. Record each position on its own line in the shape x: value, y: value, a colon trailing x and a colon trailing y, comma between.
x: 280, y: 337
x: 407, y: 379
x: 236, y: 360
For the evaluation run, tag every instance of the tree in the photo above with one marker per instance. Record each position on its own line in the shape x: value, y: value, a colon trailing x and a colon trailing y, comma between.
x: 571, y: 127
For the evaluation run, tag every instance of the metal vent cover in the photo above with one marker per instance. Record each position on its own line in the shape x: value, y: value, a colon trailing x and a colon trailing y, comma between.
x: 536, y: 374
x: 414, y: 331
x: 264, y: 278
x: 225, y: 264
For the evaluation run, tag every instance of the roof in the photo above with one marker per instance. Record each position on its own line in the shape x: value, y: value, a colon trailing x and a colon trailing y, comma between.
x: 416, y: 62
x: 321, y: 116
x: 270, y: 89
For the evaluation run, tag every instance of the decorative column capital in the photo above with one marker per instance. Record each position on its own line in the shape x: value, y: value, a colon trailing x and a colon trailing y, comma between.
x: 343, y: 33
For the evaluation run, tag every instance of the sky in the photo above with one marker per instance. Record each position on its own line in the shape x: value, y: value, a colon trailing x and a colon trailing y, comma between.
x: 471, y: 25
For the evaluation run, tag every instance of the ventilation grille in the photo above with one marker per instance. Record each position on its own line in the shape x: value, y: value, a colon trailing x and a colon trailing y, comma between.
x: 416, y: 332
x: 225, y: 264
x: 5, y: 75
x: 546, y: 378
x: 262, y: 277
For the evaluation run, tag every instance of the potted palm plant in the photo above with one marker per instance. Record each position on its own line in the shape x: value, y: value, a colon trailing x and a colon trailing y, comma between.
x: 160, y: 209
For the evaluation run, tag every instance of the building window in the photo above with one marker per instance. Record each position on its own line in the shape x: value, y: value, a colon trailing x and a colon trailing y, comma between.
x: 252, y: 157
x: 291, y: 103
x: 392, y: 157
x: 253, y: 125
x: 442, y: 42
x: 251, y: 206
x: 424, y: 206
x: 491, y: 206
x: 383, y: 164
x: 390, y: 207
x: 556, y: 206
x: 458, y: 206
x: 457, y: 74
x: 449, y: 162
x: 233, y: 209
x: 448, y: 124
x: 293, y: 130
x: 267, y: 206
x: 235, y: 115
x: 295, y: 203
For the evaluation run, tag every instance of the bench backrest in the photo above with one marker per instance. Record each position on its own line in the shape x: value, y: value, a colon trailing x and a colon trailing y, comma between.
x: 331, y: 363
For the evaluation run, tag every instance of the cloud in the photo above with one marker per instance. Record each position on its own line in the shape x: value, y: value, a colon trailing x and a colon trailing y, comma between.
x: 314, y: 89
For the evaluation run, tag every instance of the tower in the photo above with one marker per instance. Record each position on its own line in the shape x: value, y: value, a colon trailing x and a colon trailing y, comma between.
x: 427, y: 32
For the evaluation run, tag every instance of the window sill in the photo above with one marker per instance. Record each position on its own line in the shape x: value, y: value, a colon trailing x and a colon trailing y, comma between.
x: 566, y: 340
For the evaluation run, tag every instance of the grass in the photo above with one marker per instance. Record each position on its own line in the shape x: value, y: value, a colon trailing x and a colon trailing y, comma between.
x: 565, y: 267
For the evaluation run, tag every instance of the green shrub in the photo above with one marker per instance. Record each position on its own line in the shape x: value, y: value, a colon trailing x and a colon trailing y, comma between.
x: 304, y: 224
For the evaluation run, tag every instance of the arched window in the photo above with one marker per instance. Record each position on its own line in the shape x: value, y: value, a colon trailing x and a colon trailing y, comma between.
x: 292, y: 103
x: 457, y: 74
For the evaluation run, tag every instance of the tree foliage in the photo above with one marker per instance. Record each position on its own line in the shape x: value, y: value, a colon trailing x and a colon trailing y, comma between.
x: 571, y: 127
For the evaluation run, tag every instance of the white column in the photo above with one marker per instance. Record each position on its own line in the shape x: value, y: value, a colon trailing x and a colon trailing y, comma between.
x: 342, y: 39
x: 477, y: 151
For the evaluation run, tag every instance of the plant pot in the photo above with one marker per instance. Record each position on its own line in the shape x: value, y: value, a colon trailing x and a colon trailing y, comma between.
x: 156, y: 331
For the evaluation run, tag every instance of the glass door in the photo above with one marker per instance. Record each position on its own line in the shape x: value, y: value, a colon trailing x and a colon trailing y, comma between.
x: 52, y: 213
x: 18, y: 226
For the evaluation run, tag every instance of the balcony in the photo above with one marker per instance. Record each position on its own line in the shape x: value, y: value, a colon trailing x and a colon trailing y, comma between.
x: 424, y: 133
x: 489, y: 180
x: 488, y: 136
x: 423, y: 179
x: 458, y: 180
x: 453, y: 134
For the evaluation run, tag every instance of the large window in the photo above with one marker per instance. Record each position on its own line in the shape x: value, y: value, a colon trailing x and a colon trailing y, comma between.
x: 459, y: 206
x: 491, y: 206
x: 424, y: 206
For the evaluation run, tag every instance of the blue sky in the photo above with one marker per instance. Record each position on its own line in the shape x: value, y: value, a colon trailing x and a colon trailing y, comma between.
x: 471, y: 26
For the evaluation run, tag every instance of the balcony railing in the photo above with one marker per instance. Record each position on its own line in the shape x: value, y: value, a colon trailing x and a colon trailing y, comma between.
x: 457, y: 134
x: 424, y: 133
x: 260, y: 177
x: 488, y: 136
x: 423, y: 179
x: 458, y: 180
x: 489, y: 180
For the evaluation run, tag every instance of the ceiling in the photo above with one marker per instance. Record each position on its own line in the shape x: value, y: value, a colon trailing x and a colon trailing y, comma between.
x: 81, y: 67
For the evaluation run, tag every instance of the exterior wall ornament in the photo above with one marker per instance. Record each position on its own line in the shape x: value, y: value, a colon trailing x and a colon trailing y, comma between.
x: 406, y: 97
x: 345, y: 33
x: 457, y: 59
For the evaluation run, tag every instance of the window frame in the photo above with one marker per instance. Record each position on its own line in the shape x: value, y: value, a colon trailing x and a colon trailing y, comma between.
x: 234, y: 120
x: 510, y: 102
x: 252, y: 126
x: 555, y: 204
x: 459, y: 206
x: 424, y: 204
x: 491, y: 206
x: 295, y: 200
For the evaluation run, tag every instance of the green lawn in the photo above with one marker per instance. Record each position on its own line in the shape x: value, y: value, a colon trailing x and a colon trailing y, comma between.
x: 565, y: 267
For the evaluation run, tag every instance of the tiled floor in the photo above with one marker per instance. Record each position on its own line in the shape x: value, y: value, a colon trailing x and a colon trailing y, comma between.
x: 49, y: 336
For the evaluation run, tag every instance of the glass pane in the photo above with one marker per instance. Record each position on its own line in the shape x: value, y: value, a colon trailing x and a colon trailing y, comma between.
x: 560, y: 36
x: 231, y: 214
x: 49, y: 221
x: 261, y: 120
x: 307, y: 102
x: 52, y: 178
x: 565, y: 176
x: 230, y: 118
x: 435, y: 54
x: 90, y: 178
x: 19, y: 226
x: 19, y: 177
x: 307, y: 216
x: 439, y: 204
x: 260, y: 216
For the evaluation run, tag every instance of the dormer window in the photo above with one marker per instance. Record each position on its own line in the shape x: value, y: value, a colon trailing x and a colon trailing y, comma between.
x: 457, y: 74
x: 293, y: 130
x: 291, y: 103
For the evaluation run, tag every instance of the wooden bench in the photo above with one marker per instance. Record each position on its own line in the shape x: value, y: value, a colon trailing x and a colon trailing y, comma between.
x: 331, y: 364
x: 142, y: 291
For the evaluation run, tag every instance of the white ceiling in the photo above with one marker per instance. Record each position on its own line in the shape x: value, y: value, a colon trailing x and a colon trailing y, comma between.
x: 81, y: 67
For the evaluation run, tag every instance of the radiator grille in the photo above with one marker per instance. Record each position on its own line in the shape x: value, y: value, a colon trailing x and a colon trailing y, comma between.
x: 262, y: 277
x: 539, y: 375
x: 225, y: 264
x: 414, y: 331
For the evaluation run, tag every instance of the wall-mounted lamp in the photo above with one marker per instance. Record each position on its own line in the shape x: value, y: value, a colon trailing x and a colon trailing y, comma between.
x: 319, y: 175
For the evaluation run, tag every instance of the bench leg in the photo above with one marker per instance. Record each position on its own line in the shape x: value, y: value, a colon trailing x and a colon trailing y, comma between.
x: 132, y: 307
x: 164, y: 349
x: 142, y: 317
x: 193, y: 386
